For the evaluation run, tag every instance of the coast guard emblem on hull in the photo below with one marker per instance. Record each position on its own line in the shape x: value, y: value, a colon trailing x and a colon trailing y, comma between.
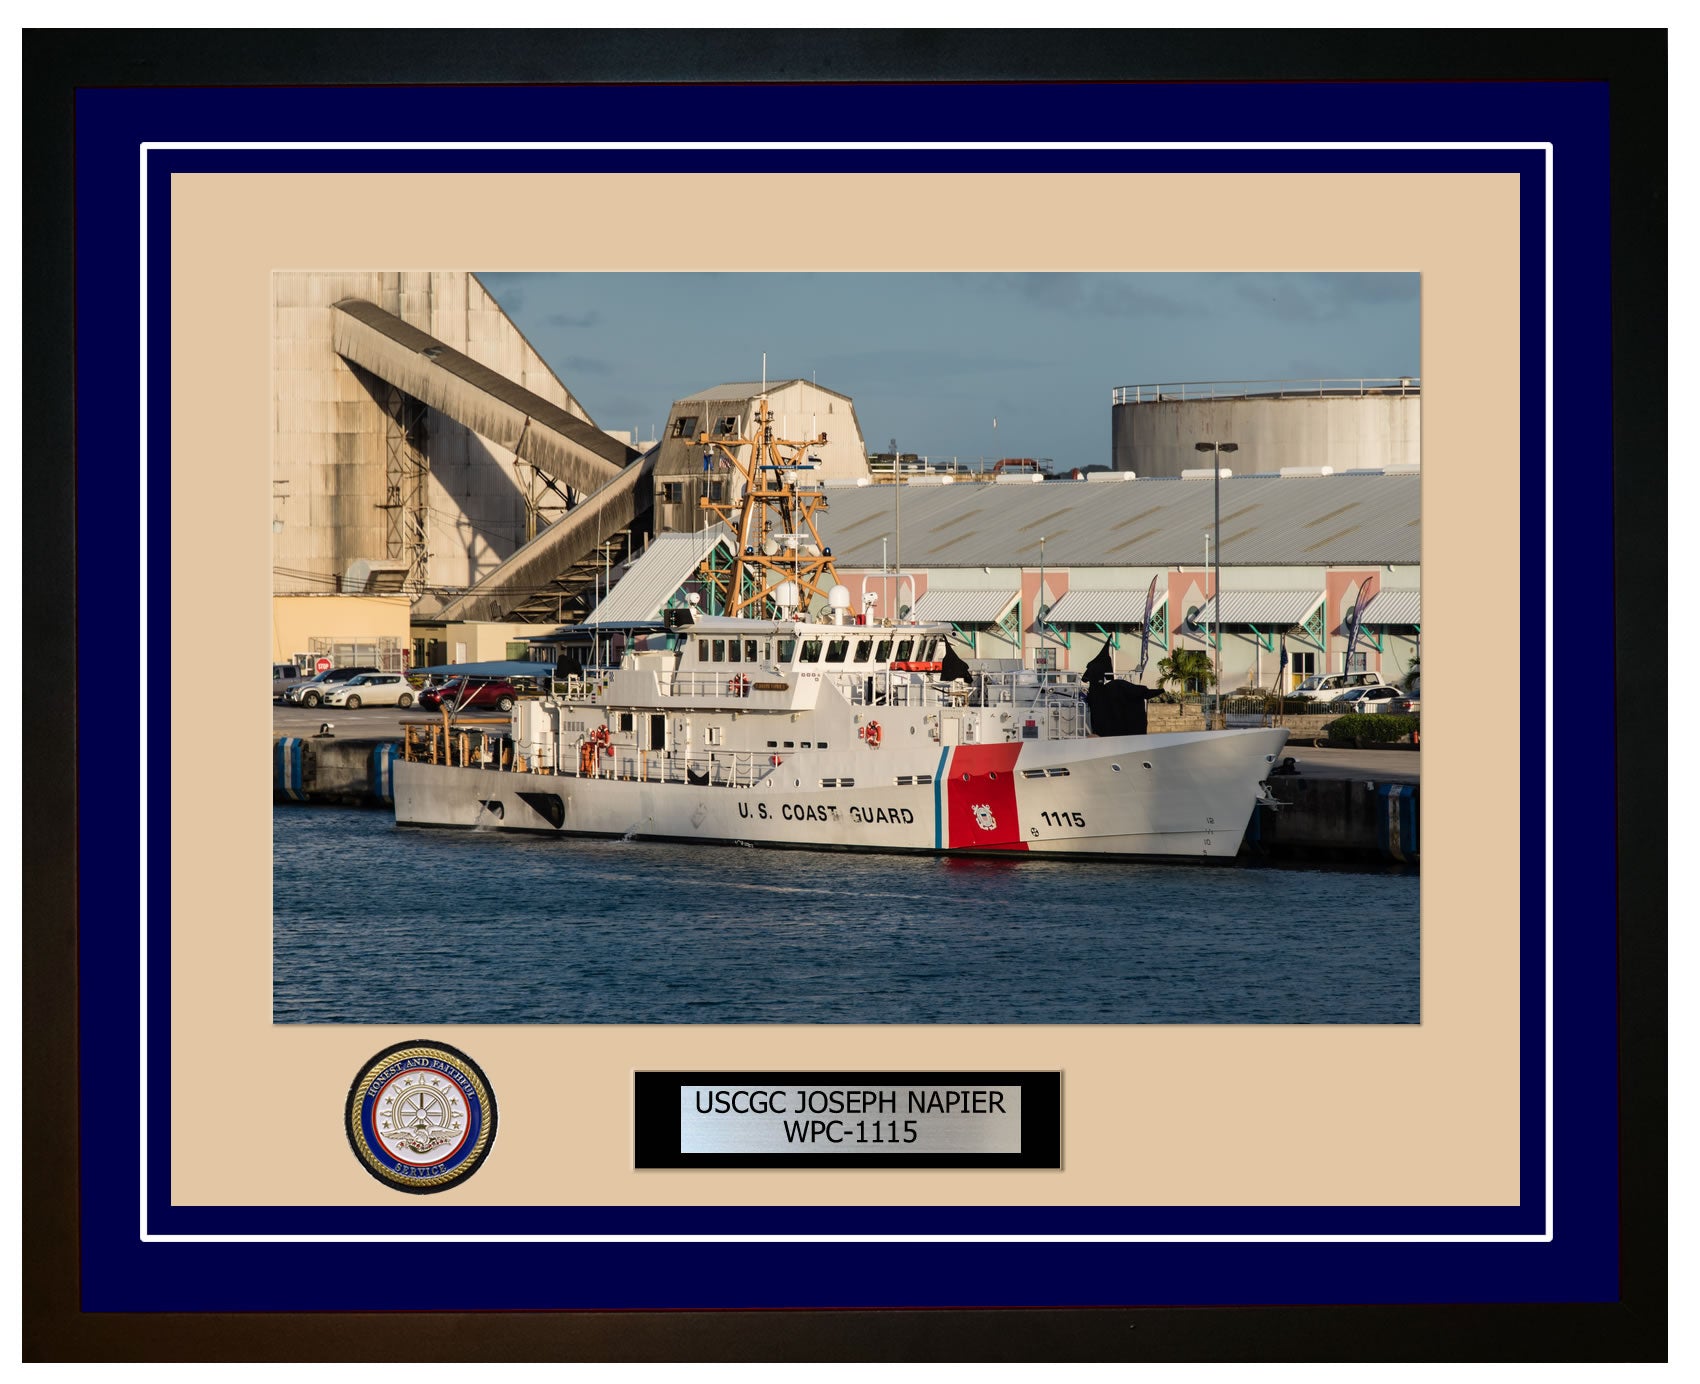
x: 983, y: 817
x: 421, y: 1116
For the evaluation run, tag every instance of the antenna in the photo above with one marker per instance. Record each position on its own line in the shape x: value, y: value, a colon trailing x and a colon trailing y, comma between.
x: 897, y: 520
x: 764, y: 372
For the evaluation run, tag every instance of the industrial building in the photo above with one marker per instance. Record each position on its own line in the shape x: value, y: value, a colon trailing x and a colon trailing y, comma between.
x: 1155, y: 429
x: 1045, y: 572
x: 422, y: 447
x: 802, y: 410
x: 428, y: 462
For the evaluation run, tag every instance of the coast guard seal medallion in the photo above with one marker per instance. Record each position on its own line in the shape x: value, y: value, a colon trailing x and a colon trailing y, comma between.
x: 421, y: 1116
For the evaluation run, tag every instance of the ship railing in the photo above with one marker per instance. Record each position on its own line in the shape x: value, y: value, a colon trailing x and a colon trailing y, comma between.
x: 1025, y: 687
x: 727, y: 684
x: 580, y: 687
x: 1186, y: 391
x: 703, y: 768
x: 882, y: 688
x: 474, y: 743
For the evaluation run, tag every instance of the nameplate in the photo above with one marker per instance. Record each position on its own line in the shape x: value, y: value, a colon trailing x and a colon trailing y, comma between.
x: 848, y: 1119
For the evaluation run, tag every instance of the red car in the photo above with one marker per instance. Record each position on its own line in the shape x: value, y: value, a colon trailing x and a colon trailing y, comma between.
x: 499, y: 695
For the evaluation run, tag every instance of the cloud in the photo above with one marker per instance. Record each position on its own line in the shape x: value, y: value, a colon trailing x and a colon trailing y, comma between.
x: 1086, y: 295
x: 918, y: 363
x: 1323, y: 297
x: 573, y: 319
x: 586, y: 365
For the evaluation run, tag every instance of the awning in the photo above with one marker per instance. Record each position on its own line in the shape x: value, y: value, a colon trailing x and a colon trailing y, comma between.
x: 1267, y: 610
x: 1103, y: 608
x: 964, y: 607
x: 651, y: 582
x: 1394, y: 608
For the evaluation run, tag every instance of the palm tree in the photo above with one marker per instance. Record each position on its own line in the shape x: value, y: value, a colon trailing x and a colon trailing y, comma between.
x: 1189, y: 667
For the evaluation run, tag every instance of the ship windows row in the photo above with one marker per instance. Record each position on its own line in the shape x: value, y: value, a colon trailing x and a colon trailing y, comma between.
x: 822, y: 651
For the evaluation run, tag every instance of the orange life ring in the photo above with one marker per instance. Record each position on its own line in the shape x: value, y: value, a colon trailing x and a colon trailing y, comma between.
x: 872, y: 734
x: 739, y: 686
x: 775, y: 759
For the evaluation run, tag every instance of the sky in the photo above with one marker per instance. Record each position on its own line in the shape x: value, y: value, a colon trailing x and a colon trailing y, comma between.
x: 932, y: 359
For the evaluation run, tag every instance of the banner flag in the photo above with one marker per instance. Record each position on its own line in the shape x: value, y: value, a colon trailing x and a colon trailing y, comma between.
x: 1145, y: 629
x: 1357, y: 620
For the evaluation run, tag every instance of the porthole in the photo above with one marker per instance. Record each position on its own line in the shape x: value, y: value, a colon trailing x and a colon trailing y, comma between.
x: 1147, y: 763
x: 1116, y: 767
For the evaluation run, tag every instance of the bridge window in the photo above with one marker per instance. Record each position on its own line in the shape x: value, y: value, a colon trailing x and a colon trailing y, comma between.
x: 787, y: 648
x: 750, y: 651
x: 702, y: 651
x: 811, y: 651
x: 719, y: 650
x: 904, y: 648
x: 863, y: 648
x: 836, y: 650
x: 732, y: 651
x: 882, y: 653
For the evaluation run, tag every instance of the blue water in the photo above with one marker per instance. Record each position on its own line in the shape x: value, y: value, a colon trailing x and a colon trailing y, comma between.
x: 375, y: 923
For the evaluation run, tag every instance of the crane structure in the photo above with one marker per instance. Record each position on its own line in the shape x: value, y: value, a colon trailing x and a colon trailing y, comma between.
x: 780, y: 561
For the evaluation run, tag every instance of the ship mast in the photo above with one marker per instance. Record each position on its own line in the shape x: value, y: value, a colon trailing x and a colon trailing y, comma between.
x: 773, y: 523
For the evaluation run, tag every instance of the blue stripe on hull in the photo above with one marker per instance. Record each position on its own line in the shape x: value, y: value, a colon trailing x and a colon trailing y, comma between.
x: 938, y: 800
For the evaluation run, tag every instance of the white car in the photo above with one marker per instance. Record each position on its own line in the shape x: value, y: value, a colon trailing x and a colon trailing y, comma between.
x: 1366, y: 700
x: 371, y: 689
x: 1325, y: 687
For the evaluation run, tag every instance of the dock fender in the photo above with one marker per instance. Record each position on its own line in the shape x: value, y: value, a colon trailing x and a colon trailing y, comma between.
x: 1398, y: 820
x: 288, y: 755
x: 381, y: 777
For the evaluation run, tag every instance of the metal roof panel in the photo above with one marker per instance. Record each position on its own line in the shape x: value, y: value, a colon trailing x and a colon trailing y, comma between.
x: 1149, y: 522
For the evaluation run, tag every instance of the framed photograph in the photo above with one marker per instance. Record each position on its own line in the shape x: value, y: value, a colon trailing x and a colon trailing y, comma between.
x: 861, y: 837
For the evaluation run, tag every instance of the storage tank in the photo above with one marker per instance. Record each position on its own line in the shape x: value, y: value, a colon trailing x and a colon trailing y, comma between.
x: 1344, y: 424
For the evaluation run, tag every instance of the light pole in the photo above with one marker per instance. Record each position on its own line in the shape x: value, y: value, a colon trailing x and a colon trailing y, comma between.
x: 1216, y: 448
x: 1039, y: 608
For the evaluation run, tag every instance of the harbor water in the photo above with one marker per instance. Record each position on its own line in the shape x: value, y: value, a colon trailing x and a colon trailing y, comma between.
x: 374, y: 923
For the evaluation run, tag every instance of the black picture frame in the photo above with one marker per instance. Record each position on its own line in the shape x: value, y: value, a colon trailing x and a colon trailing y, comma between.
x: 57, y: 63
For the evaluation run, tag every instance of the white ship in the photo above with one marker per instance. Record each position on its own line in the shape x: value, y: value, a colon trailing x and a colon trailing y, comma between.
x: 769, y: 727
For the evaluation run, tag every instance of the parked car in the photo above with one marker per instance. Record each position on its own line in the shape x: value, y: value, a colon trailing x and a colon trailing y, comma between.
x: 1408, y: 704
x: 371, y: 689
x: 284, y: 677
x: 312, y: 692
x: 1366, y: 700
x: 497, y: 694
x: 1325, y: 687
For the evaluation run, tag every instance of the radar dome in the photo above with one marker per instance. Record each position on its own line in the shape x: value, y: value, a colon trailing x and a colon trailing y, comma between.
x: 839, y: 598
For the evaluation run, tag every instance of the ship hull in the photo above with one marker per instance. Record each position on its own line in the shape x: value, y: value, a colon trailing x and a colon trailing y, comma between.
x: 1173, y: 796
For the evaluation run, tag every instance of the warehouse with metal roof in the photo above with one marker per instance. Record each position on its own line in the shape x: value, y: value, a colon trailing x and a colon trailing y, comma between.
x: 1048, y: 571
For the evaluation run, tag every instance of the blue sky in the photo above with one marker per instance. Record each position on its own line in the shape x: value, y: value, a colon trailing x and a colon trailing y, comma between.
x: 932, y: 359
